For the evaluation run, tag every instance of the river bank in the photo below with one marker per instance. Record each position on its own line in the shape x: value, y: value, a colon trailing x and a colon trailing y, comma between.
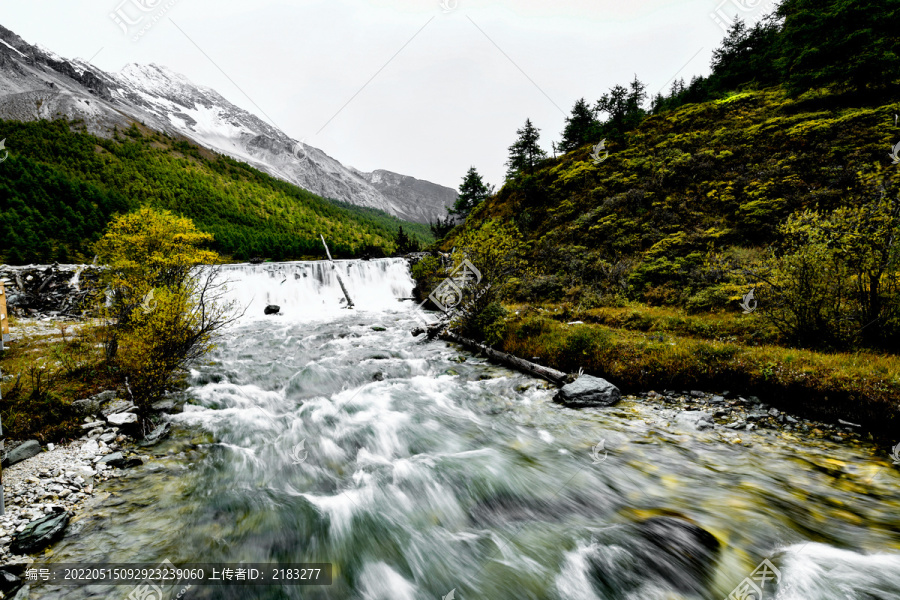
x: 54, y: 486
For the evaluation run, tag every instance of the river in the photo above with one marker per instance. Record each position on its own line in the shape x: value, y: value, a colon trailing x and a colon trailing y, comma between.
x: 422, y: 472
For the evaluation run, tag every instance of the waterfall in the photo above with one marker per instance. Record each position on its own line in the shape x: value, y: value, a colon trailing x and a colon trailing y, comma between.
x: 309, y: 289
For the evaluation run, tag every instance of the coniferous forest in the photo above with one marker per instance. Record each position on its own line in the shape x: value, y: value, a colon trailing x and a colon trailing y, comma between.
x: 61, y: 186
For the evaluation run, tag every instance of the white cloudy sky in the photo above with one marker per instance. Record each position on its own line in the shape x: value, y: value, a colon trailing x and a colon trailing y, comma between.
x: 453, y: 97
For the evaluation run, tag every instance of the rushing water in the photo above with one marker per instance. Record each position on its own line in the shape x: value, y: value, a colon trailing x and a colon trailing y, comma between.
x: 417, y: 469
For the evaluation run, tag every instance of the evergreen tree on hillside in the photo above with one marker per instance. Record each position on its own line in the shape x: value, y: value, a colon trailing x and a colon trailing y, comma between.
x: 405, y: 244
x: 525, y: 153
x: 472, y: 192
x: 746, y: 55
x: 851, y: 44
x: 624, y: 107
x: 581, y: 127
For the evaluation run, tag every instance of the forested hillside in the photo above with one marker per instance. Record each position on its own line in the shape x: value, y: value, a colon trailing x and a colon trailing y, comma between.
x: 776, y: 173
x: 741, y: 231
x: 60, y: 186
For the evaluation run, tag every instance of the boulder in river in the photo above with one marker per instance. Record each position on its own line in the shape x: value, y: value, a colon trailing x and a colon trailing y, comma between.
x: 690, y: 551
x: 272, y: 309
x: 118, y: 460
x: 658, y: 553
x: 41, y: 533
x: 587, y: 391
x: 21, y: 452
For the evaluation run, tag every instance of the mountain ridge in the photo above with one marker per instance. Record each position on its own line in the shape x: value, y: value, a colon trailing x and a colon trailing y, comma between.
x: 36, y: 83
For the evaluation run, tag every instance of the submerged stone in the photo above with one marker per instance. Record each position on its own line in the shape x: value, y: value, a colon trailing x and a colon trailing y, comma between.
x: 272, y: 309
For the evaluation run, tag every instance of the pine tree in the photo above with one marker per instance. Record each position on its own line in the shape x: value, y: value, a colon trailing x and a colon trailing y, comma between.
x: 405, y: 244
x: 581, y: 127
x: 525, y: 153
x: 472, y: 192
x: 852, y: 44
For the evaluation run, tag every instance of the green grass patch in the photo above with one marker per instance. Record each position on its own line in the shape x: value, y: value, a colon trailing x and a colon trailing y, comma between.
x: 861, y: 386
x: 43, y: 374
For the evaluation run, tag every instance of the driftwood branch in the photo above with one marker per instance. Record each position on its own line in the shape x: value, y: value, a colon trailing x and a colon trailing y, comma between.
x: 338, y: 275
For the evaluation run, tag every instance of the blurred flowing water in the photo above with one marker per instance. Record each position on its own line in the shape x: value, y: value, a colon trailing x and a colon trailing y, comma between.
x: 417, y: 469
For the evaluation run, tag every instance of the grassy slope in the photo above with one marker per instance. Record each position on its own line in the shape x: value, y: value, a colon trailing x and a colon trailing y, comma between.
x: 60, y: 186
x: 717, y: 175
x: 720, y: 174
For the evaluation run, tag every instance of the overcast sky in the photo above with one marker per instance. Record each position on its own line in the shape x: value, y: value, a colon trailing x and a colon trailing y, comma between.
x: 447, y: 85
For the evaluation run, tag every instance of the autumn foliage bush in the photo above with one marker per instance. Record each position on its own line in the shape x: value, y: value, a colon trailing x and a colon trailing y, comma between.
x: 162, y: 301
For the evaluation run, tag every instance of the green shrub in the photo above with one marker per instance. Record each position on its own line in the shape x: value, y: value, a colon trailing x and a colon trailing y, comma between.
x: 708, y: 300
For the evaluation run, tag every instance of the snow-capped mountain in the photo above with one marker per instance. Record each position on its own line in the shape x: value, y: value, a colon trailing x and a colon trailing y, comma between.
x: 35, y: 84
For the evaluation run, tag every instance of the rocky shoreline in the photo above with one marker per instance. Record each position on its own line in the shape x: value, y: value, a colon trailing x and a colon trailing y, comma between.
x: 733, y: 414
x: 46, y: 487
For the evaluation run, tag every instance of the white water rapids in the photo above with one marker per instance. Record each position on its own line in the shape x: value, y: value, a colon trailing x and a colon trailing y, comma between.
x: 332, y: 435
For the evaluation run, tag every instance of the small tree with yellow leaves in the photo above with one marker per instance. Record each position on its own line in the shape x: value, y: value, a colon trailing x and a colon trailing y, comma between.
x: 164, y: 301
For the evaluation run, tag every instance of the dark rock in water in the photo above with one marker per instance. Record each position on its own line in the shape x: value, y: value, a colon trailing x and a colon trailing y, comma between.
x: 273, y: 309
x: 118, y: 460
x: 21, y: 452
x: 9, y: 583
x: 690, y: 552
x: 662, y: 552
x: 588, y: 391
x: 256, y: 261
x: 41, y: 533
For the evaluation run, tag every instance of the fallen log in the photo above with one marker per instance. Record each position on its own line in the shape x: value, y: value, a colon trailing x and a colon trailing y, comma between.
x: 513, y: 362
x: 340, y: 281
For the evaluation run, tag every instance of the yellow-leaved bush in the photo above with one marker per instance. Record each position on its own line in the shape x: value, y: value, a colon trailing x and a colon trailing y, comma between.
x: 162, y: 302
